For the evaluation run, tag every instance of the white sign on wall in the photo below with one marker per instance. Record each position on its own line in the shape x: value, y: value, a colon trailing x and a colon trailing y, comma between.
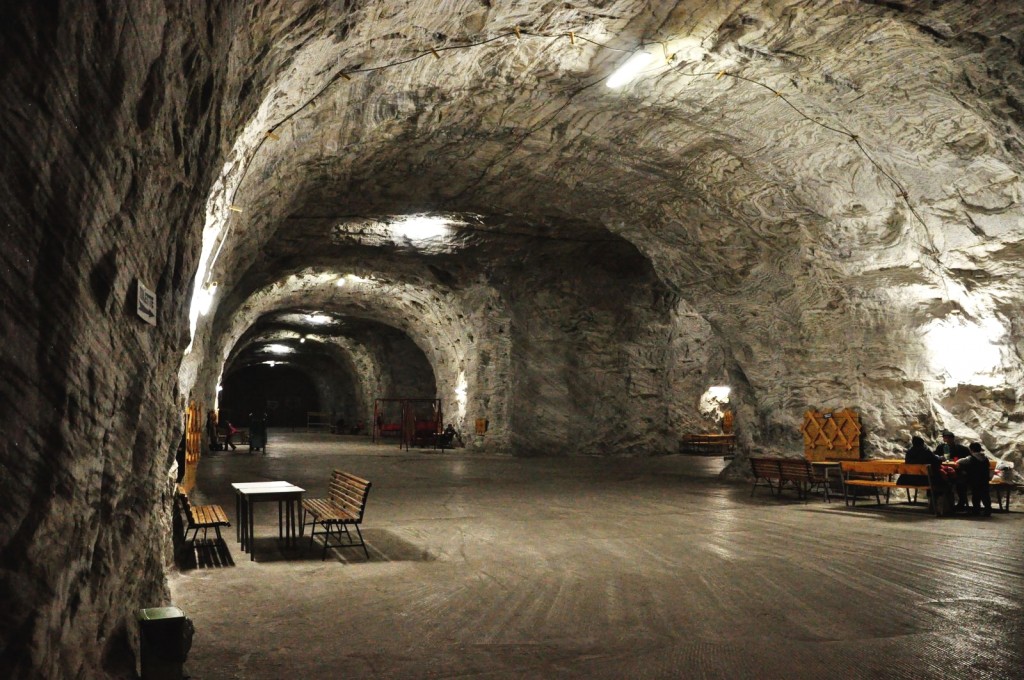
x: 146, y: 304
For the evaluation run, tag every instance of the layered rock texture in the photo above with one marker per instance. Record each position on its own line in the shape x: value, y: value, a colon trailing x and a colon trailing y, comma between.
x: 817, y: 204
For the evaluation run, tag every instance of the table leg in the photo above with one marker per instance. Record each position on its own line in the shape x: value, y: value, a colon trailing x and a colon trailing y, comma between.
x: 288, y: 523
x: 292, y: 520
x: 252, y: 549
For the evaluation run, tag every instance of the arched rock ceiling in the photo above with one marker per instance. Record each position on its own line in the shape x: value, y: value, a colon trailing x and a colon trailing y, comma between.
x: 704, y: 173
x: 788, y: 167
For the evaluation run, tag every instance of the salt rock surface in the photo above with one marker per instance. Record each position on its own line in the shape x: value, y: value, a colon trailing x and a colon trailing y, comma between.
x: 810, y: 205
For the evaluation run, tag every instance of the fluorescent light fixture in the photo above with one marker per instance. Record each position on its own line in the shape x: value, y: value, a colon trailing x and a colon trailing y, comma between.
x: 630, y: 69
x: 278, y: 349
x: 420, y: 227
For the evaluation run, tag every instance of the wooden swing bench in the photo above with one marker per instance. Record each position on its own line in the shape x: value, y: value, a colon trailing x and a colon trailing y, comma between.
x: 343, y: 507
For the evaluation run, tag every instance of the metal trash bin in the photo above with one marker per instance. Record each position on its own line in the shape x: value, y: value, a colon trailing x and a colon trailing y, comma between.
x: 165, y: 638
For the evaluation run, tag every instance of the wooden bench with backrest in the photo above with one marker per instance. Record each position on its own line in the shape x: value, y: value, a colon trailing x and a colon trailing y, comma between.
x: 203, y: 517
x: 343, y: 507
x: 776, y: 473
x: 708, y: 444
x: 885, y: 474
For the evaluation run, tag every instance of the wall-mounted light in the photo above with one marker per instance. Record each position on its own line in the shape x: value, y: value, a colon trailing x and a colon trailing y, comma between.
x: 203, y: 299
x: 630, y: 69
x: 461, y: 398
x: 719, y: 392
x: 965, y: 351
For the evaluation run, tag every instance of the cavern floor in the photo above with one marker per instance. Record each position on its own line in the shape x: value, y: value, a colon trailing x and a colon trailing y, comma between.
x: 601, y: 568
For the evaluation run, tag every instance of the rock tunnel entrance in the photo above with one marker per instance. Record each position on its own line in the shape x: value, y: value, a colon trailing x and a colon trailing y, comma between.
x: 345, y: 363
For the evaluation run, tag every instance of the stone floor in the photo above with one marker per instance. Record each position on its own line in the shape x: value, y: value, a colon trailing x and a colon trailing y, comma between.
x: 494, y: 567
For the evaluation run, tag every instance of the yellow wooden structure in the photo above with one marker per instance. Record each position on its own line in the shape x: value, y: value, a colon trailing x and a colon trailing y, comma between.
x: 193, y: 444
x: 831, y: 435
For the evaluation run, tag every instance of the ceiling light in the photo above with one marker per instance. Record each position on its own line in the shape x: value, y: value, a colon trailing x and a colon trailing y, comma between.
x: 319, y: 319
x: 630, y: 69
x: 302, y: 339
x: 279, y: 349
x: 340, y: 282
x: 271, y: 363
x: 420, y: 227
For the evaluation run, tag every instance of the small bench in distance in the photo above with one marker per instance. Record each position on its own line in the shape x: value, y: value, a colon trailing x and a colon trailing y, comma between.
x: 777, y: 473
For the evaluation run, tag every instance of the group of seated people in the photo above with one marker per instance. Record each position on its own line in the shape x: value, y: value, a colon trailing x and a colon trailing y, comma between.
x: 965, y: 468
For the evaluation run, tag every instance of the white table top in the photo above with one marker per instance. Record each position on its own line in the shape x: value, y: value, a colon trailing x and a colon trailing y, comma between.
x: 266, y: 487
x: 245, y: 485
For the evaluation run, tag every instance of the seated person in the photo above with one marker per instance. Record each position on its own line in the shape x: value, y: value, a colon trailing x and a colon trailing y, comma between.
x: 951, y: 451
x: 918, y: 454
x: 977, y: 473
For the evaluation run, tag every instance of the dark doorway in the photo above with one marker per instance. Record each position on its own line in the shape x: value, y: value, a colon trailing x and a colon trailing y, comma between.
x: 285, y: 394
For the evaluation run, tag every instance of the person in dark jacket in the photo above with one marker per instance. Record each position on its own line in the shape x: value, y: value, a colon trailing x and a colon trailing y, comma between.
x: 918, y: 454
x: 951, y: 451
x: 977, y: 473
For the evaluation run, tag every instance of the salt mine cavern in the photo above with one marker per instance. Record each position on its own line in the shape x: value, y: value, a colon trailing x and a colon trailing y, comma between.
x: 602, y: 339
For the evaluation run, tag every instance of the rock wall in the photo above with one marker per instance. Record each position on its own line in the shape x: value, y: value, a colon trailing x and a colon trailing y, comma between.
x: 110, y: 132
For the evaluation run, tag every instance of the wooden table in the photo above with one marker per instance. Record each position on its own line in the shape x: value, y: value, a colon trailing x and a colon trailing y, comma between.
x: 825, y: 468
x: 288, y: 498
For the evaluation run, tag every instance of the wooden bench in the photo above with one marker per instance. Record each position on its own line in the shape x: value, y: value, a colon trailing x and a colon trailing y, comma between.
x: 708, y: 444
x: 884, y: 474
x: 343, y: 507
x: 776, y: 473
x: 203, y: 517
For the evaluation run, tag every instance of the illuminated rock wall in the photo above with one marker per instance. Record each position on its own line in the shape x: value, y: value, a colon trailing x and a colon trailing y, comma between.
x: 815, y: 203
